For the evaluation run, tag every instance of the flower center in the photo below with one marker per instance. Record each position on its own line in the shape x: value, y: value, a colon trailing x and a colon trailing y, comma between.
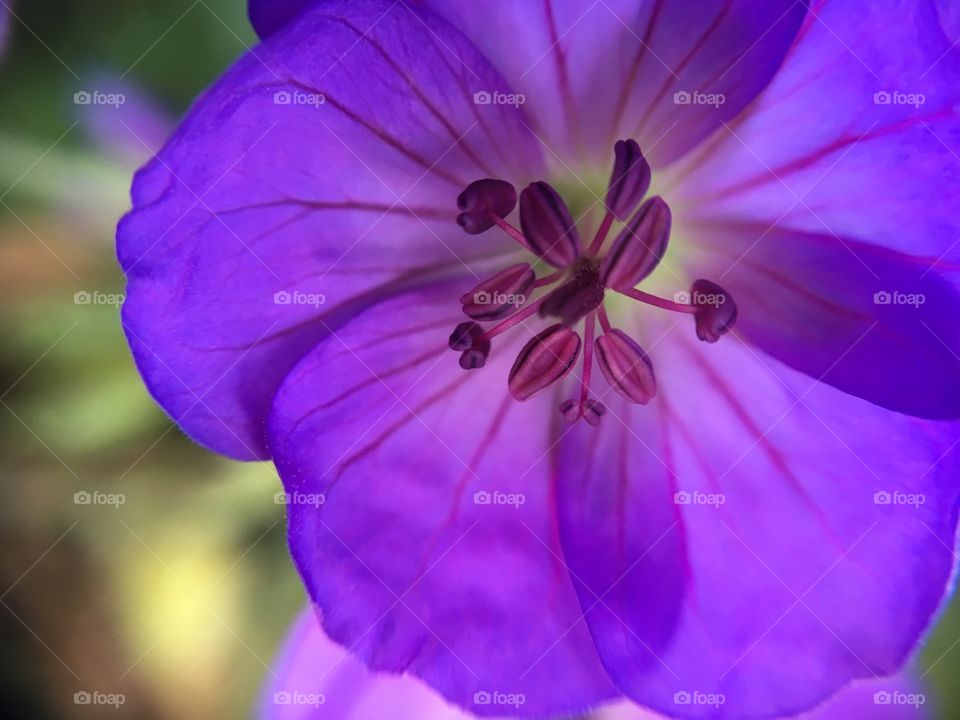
x: 575, y: 289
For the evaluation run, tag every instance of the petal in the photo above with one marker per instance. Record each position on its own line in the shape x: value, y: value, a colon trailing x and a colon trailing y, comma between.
x: 813, y: 550
x: 269, y: 16
x: 316, y: 679
x: 317, y: 176
x: 311, y: 667
x: 881, y: 166
x: 869, y: 321
x: 435, y: 551
x: 595, y: 72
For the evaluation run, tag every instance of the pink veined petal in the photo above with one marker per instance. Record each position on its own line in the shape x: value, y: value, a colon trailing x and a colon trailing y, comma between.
x: 435, y: 551
x: 870, y: 321
x: 813, y: 550
x: 857, y: 135
x: 667, y: 73
x: 298, y: 191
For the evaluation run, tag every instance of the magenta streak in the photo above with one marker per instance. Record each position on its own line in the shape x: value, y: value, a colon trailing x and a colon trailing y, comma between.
x: 511, y: 321
x: 373, y: 380
x: 631, y: 78
x: 658, y: 301
x: 493, y: 428
x: 589, y: 331
x: 319, y: 205
x: 549, y: 279
x: 456, y: 135
x: 670, y: 79
x: 773, y: 454
x: 602, y: 232
x: 511, y: 231
x: 430, y: 167
x: 409, y: 416
x: 807, y: 161
x: 604, y: 320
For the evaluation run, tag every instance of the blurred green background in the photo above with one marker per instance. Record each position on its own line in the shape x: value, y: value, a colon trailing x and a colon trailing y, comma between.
x: 178, y: 597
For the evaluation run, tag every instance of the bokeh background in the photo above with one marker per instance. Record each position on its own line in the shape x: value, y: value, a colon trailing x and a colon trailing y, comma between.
x: 172, y: 585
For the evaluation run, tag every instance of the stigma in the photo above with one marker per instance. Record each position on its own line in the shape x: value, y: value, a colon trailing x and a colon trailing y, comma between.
x: 571, y: 294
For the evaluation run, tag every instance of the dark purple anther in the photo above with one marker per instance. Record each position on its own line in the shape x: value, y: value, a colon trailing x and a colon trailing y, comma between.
x: 592, y: 411
x: 476, y: 357
x: 482, y: 201
x: 544, y: 360
x: 548, y: 226
x: 465, y: 336
x: 640, y: 246
x: 630, y: 179
x: 626, y: 367
x: 499, y: 295
x: 716, y: 310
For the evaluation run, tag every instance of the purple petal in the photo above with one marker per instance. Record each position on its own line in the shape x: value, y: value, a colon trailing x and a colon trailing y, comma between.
x: 593, y: 73
x: 269, y: 16
x: 316, y: 177
x: 311, y: 667
x: 802, y: 547
x: 869, y: 321
x: 880, y: 166
x: 316, y: 679
x: 435, y: 549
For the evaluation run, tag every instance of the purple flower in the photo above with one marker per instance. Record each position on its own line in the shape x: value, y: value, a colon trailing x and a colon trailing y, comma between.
x: 742, y: 483
x: 315, y: 679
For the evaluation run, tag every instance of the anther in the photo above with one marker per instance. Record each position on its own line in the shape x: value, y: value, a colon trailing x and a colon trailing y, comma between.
x: 548, y: 357
x: 547, y: 225
x: 499, y: 295
x: 716, y: 312
x: 592, y: 411
x: 639, y: 247
x: 629, y: 180
x: 482, y: 202
x: 626, y: 367
x: 465, y: 336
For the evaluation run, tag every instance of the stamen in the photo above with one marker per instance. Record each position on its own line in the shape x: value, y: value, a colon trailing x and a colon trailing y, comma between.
x: 626, y: 367
x: 629, y: 180
x: 548, y: 226
x: 585, y: 407
x: 657, y: 301
x: 544, y: 360
x: 578, y: 296
x: 499, y: 295
x: 483, y: 202
x: 716, y: 312
x: 640, y: 246
x: 465, y: 336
